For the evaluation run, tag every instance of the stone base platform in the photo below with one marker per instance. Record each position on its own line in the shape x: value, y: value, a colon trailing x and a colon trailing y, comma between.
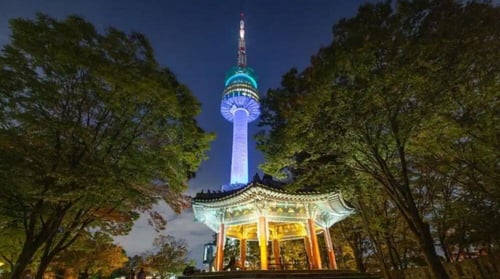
x: 290, y: 274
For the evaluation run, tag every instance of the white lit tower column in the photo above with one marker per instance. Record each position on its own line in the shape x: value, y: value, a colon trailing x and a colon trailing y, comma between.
x: 240, y: 105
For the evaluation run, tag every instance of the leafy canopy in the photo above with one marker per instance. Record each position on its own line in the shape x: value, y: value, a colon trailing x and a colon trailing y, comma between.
x: 407, y: 96
x: 92, y: 131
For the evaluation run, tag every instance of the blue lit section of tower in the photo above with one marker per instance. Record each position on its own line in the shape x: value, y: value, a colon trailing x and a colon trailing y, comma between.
x: 240, y: 105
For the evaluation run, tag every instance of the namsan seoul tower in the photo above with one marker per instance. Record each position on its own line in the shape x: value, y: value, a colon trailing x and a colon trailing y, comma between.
x: 240, y: 105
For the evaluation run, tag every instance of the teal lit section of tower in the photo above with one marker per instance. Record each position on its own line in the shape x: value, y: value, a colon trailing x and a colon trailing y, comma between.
x: 240, y: 105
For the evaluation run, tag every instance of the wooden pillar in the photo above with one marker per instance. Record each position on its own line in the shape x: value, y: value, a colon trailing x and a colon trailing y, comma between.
x: 329, y: 246
x: 219, y: 257
x: 307, y: 245
x: 314, y: 245
x: 262, y: 227
x: 243, y: 252
x: 276, y: 253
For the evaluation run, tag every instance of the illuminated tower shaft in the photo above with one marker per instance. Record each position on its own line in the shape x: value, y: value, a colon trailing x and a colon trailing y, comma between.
x: 239, y: 159
x: 240, y: 105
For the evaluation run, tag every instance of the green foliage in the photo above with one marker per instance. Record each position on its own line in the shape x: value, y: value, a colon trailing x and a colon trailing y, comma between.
x: 92, y: 131
x: 293, y: 254
x: 10, y: 245
x: 408, y: 100
x: 253, y: 256
x: 168, y: 257
x: 231, y: 250
x: 94, y: 253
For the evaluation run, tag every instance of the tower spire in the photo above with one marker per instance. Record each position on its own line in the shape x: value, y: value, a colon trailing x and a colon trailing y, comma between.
x: 242, y: 52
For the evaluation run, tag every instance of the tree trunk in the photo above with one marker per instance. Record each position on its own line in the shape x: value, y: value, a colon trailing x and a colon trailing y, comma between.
x: 35, y: 240
x: 381, y: 258
x: 393, y: 255
x: 22, y: 263
x: 422, y: 232
x: 358, y: 253
x: 427, y: 244
x: 444, y: 247
x: 42, y: 267
x: 355, y: 240
x: 378, y: 248
x: 406, y: 204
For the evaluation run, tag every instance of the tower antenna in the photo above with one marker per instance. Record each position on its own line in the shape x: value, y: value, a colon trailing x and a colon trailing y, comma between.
x: 242, y: 55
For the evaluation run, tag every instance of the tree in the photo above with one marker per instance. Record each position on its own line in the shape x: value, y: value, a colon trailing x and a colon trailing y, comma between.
x: 461, y: 142
x: 252, y: 256
x: 369, y: 102
x: 92, y: 131
x: 168, y: 256
x: 231, y: 251
x: 94, y: 253
x: 11, y: 241
x: 293, y: 254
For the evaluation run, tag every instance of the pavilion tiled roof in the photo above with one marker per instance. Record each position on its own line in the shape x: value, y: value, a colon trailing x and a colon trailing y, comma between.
x: 266, y: 183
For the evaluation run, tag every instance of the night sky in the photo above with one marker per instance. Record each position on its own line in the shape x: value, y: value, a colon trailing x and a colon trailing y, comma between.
x: 197, y: 40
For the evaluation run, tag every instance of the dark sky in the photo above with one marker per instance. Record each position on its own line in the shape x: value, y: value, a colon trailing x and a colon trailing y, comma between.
x: 197, y: 40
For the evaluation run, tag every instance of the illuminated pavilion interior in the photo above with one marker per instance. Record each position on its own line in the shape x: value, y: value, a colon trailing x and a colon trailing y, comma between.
x: 266, y: 214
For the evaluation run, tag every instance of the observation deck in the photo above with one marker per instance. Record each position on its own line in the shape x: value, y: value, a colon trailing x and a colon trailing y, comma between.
x: 240, y: 93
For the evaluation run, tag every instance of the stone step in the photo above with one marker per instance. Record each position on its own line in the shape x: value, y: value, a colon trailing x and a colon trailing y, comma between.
x: 291, y: 274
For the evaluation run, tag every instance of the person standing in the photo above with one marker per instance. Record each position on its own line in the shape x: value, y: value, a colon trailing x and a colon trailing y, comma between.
x: 141, y: 274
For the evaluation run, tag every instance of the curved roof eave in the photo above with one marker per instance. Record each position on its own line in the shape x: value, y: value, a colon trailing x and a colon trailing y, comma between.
x: 257, y: 191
